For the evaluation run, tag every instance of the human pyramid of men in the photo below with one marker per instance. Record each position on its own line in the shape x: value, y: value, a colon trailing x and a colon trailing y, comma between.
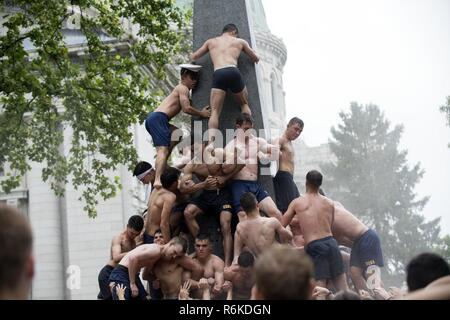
x: 223, y: 182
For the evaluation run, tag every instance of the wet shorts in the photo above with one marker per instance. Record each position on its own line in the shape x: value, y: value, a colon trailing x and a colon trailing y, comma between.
x: 327, y: 258
x: 285, y: 190
x: 157, y: 124
x: 103, y: 282
x: 209, y: 201
x: 120, y: 276
x: 148, y: 239
x: 228, y: 78
x: 366, y: 251
x: 239, y: 187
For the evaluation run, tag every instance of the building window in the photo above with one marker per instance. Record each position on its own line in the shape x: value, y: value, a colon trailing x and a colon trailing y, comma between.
x: 273, y: 85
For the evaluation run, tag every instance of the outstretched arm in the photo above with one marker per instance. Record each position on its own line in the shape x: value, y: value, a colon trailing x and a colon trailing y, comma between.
x: 200, y: 51
x: 190, y: 264
x: 285, y: 234
x: 238, y: 245
x: 250, y: 52
x: 289, y: 215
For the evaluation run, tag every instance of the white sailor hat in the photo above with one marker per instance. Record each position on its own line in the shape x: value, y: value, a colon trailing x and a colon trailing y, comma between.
x: 191, y: 67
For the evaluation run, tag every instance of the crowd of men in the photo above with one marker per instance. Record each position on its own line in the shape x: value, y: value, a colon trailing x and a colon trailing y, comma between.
x: 223, y: 182
x: 295, y: 246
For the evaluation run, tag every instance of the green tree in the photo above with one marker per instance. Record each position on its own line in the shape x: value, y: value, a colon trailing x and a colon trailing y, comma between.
x: 442, y: 248
x: 97, y: 92
x: 446, y: 109
x: 372, y: 179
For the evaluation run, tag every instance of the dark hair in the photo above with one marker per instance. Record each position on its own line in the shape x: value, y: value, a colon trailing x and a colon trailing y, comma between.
x: 169, y: 176
x: 246, y: 259
x: 231, y: 27
x: 295, y: 120
x: 181, y: 241
x: 347, y: 295
x: 248, y: 202
x: 157, y: 231
x: 203, y: 236
x: 15, y: 246
x: 424, y: 269
x: 186, y: 72
x: 244, y: 117
x: 283, y: 273
x: 141, y: 167
x: 314, y: 178
x: 136, y: 222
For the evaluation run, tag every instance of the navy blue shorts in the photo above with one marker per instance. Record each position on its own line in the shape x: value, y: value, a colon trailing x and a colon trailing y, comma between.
x: 285, y: 190
x: 148, y: 239
x: 327, y: 258
x: 239, y: 187
x: 103, y: 282
x: 366, y: 251
x: 120, y: 276
x: 228, y: 78
x: 157, y: 124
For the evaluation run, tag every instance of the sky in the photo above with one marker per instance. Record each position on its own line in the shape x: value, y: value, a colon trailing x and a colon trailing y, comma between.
x: 391, y: 53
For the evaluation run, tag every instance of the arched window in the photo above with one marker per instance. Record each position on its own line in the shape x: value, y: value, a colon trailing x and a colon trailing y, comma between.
x: 273, y: 84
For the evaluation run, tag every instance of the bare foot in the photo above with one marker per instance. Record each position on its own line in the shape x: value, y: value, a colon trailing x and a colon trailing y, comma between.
x: 245, y: 108
x: 157, y: 185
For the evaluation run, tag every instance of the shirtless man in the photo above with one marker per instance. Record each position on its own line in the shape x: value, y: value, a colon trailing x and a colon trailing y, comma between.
x: 171, y: 274
x: 257, y: 233
x: 283, y: 183
x: 215, y: 197
x: 366, y: 256
x: 212, y: 265
x: 251, y: 148
x: 120, y: 245
x: 224, y: 51
x: 239, y: 278
x: 157, y: 122
x: 160, y: 206
x: 127, y: 271
x: 315, y: 216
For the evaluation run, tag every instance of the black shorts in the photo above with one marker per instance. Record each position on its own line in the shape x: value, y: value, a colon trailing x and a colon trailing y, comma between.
x: 327, y: 258
x: 285, y: 190
x: 103, y: 283
x: 211, y: 201
x: 228, y: 78
x: 366, y: 251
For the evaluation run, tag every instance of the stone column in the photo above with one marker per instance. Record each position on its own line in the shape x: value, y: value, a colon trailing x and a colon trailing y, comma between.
x: 210, y: 16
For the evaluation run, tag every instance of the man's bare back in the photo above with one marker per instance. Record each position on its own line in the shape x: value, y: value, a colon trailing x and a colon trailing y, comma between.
x: 242, y: 282
x: 314, y: 213
x: 257, y: 233
x: 160, y: 201
x: 346, y: 227
x: 145, y: 256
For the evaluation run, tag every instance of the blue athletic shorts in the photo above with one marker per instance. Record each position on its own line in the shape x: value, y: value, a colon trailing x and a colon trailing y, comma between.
x: 239, y: 187
x: 120, y: 276
x: 327, y: 258
x: 157, y: 124
x: 366, y: 251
